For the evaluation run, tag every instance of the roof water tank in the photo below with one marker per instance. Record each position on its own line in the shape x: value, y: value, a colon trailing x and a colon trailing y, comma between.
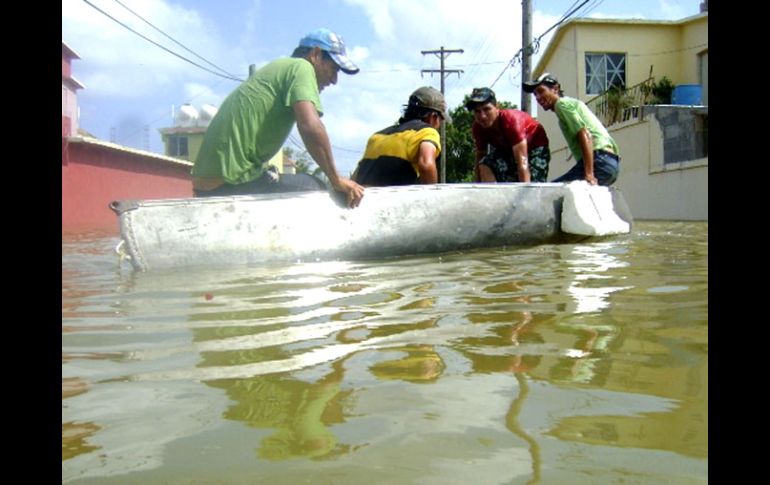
x: 187, y: 116
x: 206, y: 114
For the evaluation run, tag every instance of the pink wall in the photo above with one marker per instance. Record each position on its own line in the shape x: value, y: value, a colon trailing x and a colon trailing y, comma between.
x: 69, y: 109
x: 93, y: 176
x: 66, y: 68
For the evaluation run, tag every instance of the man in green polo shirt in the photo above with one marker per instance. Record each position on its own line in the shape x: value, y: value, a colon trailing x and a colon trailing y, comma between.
x: 596, y: 153
x: 255, y: 120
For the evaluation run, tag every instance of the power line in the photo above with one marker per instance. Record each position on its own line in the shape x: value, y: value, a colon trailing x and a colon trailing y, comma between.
x: 174, y: 40
x: 534, y: 47
x: 158, y: 45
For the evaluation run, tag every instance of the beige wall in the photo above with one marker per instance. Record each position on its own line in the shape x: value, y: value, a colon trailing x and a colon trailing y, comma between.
x: 644, y: 45
x: 194, y: 142
x: 277, y: 161
x: 695, y: 35
x: 676, y: 191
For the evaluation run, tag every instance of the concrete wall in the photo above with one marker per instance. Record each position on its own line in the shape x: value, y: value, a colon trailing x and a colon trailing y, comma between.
x: 654, y: 190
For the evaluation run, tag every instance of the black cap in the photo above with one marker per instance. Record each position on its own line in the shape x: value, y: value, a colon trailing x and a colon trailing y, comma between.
x: 480, y: 96
x: 544, y: 78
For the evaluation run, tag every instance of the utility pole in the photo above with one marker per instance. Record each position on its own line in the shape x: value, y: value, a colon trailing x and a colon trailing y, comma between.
x: 526, y: 55
x: 442, y: 54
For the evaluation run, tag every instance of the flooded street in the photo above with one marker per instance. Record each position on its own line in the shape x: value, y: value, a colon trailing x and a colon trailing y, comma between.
x: 573, y: 363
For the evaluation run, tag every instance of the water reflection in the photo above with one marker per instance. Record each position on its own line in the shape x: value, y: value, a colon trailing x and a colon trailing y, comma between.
x: 75, y: 436
x: 546, y: 364
x: 299, y: 412
x: 420, y: 364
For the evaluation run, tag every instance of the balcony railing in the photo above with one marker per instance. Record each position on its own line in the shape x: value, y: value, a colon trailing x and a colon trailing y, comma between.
x: 617, y: 104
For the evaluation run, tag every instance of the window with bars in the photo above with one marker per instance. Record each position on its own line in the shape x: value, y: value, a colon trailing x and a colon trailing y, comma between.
x: 604, y: 70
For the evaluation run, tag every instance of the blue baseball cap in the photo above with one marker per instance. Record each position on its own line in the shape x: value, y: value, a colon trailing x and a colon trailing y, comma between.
x: 332, y: 43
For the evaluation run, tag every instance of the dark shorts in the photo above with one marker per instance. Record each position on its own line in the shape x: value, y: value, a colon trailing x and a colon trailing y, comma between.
x: 385, y: 172
x: 269, y: 182
x: 606, y: 169
x: 505, y: 169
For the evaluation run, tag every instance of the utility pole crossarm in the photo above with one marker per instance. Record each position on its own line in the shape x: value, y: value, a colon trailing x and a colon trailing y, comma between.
x: 448, y: 71
x: 442, y: 54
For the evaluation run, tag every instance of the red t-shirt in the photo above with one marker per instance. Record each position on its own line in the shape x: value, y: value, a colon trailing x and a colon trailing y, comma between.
x: 510, y: 127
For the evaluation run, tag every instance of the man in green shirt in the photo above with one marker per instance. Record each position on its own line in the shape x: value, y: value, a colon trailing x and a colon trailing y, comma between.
x: 595, y: 152
x: 254, y: 121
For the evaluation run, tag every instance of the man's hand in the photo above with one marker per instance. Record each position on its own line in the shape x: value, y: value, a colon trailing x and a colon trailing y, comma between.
x: 352, y: 190
x: 591, y: 179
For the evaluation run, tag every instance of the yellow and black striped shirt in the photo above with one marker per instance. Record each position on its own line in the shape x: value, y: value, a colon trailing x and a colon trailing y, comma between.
x: 391, y: 154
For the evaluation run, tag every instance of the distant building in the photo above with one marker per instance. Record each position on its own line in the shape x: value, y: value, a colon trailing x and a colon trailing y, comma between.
x: 96, y: 172
x: 184, y: 139
x: 288, y: 166
x: 664, y: 148
x: 69, y: 98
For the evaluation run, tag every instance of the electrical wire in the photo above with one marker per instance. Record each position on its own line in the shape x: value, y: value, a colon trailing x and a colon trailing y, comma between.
x: 517, y: 57
x: 162, y: 47
x: 175, y: 41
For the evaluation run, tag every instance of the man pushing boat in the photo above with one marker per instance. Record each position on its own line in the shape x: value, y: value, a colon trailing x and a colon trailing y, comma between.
x: 255, y: 120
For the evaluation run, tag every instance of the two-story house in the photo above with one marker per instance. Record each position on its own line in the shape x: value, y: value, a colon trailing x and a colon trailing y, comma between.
x: 663, y: 147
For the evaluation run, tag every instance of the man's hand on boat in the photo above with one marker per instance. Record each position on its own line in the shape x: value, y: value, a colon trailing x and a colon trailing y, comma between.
x: 352, y: 190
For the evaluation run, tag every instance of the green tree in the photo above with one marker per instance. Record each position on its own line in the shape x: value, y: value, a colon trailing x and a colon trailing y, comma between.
x: 460, y: 148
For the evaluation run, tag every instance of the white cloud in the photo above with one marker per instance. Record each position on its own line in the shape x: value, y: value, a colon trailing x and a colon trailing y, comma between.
x: 198, y: 94
x: 379, y: 15
x: 122, y: 64
x: 670, y: 10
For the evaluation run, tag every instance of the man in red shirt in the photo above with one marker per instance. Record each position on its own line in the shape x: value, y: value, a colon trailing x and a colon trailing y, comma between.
x: 511, y: 146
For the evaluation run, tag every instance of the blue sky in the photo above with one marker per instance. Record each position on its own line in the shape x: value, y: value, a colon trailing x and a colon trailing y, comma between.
x: 131, y: 84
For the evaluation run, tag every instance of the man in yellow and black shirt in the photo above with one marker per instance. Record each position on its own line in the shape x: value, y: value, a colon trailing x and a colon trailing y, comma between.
x: 406, y: 153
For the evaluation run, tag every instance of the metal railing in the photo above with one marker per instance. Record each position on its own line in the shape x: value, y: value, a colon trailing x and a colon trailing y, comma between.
x: 618, y: 104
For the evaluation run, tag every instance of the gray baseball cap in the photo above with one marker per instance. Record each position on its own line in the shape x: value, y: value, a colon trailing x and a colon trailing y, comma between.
x: 431, y: 98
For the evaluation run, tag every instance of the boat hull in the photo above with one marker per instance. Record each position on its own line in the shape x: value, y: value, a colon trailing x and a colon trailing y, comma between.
x: 311, y: 226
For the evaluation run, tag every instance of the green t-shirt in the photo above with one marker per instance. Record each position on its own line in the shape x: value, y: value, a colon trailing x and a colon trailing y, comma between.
x: 254, y: 121
x: 573, y: 116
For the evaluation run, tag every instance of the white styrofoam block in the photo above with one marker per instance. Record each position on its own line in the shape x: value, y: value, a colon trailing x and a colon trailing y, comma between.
x: 588, y: 210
